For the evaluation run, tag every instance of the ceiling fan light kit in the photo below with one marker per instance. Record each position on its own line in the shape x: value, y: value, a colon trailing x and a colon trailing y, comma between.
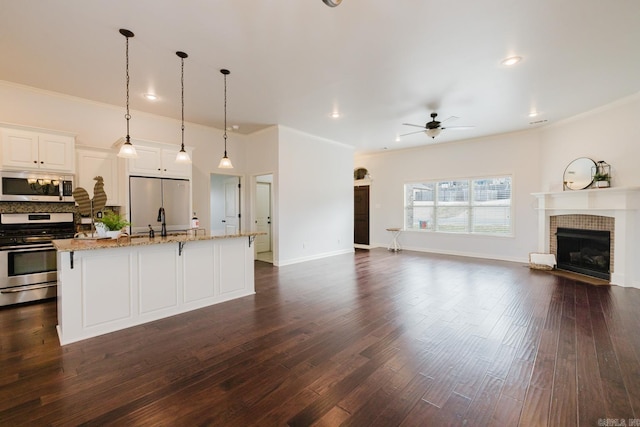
x: 433, y: 132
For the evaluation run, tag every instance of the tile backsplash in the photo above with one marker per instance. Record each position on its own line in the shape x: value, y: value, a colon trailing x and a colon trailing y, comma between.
x: 23, y: 207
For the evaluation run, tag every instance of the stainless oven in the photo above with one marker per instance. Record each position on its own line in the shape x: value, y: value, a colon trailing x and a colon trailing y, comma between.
x: 27, y: 256
x: 35, y: 187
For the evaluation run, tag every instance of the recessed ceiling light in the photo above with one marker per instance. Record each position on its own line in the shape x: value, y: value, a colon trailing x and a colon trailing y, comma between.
x: 533, y: 114
x: 150, y: 96
x: 335, y: 115
x: 397, y: 139
x: 512, y: 60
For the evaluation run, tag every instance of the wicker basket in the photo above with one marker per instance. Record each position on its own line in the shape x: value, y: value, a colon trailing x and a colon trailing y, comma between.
x: 536, y: 261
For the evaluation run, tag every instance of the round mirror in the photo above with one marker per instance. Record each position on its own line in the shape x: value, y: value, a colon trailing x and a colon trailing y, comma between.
x: 578, y: 175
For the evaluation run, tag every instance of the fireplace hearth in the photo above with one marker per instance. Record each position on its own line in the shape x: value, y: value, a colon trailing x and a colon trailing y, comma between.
x: 584, y: 251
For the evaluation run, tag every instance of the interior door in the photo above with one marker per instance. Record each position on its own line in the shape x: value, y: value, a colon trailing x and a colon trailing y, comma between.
x: 263, y: 216
x: 231, y: 205
x: 361, y: 215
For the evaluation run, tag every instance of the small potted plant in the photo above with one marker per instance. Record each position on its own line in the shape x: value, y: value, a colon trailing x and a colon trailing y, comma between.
x: 111, y: 224
x: 601, y: 180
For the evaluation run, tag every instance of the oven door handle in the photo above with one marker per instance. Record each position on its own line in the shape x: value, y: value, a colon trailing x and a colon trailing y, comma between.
x: 25, y: 248
x: 28, y: 288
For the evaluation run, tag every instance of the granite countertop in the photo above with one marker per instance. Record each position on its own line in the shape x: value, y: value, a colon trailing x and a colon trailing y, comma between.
x: 84, y: 244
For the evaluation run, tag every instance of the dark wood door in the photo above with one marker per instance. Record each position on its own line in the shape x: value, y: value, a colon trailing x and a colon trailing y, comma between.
x: 361, y: 215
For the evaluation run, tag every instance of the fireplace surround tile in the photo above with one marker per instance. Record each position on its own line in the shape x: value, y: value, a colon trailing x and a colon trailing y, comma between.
x: 582, y: 222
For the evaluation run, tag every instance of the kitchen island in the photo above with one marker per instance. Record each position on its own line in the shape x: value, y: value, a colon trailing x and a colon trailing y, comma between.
x: 105, y: 285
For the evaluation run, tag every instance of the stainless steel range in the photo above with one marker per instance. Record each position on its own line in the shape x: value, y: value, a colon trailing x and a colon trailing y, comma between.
x: 27, y: 256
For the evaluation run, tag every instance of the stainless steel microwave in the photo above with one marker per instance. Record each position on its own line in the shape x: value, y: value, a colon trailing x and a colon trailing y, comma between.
x: 35, y: 187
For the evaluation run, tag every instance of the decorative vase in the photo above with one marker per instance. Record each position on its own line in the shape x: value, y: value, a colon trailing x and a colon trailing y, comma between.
x: 101, y: 229
x: 602, y: 184
x: 113, y: 234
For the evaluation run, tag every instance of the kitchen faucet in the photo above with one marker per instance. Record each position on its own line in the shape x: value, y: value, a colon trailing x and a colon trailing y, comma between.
x: 161, y: 217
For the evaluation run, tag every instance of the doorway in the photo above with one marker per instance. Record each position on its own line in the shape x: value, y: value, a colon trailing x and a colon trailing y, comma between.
x: 361, y: 216
x: 263, y: 218
x: 224, y: 203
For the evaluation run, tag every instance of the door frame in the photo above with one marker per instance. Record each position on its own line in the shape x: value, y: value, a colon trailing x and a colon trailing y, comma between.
x: 242, y: 225
x: 365, y: 183
x: 274, y: 210
x: 269, y: 201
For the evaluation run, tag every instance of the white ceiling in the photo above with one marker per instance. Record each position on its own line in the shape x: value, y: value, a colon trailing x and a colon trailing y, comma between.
x: 293, y: 62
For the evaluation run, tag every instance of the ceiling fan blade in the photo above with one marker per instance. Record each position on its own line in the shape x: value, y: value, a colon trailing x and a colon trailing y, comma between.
x: 450, y: 118
x: 411, y: 124
x: 411, y: 133
x: 459, y: 127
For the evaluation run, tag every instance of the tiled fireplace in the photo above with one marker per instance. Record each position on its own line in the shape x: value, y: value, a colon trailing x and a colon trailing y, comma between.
x: 616, y: 210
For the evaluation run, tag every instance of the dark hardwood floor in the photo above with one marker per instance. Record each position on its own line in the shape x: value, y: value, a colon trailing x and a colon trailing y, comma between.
x: 371, y: 339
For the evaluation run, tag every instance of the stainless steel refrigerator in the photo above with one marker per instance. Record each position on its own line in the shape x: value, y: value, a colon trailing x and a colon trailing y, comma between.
x: 146, y: 197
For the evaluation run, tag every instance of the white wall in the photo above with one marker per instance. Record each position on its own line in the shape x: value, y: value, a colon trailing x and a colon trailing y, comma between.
x: 315, y: 206
x: 515, y: 154
x: 262, y: 158
x: 100, y: 125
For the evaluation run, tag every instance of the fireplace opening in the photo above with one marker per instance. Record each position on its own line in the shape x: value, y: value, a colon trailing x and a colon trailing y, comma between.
x: 584, y: 251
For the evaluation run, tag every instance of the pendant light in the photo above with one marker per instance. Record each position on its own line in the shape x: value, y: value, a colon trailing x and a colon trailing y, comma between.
x: 183, y: 156
x: 225, y: 162
x: 127, y: 150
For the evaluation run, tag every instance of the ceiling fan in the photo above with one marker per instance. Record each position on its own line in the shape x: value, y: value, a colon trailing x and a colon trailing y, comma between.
x: 434, y: 127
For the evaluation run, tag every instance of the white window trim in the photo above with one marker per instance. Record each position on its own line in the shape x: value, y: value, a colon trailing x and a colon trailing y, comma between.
x: 470, y: 204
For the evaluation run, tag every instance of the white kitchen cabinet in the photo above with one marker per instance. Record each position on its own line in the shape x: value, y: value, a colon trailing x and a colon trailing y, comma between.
x: 169, y: 166
x: 148, y: 161
x: 92, y: 162
x: 155, y: 159
x: 32, y: 150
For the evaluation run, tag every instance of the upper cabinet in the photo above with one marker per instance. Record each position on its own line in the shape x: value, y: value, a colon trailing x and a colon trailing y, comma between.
x: 156, y: 159
x: 34, y: 150
x: 93, y: 162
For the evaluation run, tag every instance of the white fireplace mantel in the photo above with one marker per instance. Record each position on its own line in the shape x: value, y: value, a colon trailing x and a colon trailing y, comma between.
x: 622, y: 204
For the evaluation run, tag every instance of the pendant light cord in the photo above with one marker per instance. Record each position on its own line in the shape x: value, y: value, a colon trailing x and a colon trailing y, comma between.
x: 182, y: 95
x: 127, y: 115
x: 225, y: 115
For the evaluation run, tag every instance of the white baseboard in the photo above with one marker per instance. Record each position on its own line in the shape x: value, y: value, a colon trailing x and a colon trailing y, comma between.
x: 282, y: 263
x: 461, y: 253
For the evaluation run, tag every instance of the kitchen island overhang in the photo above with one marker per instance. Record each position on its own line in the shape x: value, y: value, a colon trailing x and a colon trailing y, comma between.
x: 111, y: 284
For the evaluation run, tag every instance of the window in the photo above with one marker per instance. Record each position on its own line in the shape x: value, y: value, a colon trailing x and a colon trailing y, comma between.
x: 476, y: 206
